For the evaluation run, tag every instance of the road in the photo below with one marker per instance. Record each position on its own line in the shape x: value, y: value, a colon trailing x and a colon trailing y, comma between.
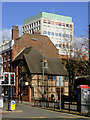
x: 27, y: 111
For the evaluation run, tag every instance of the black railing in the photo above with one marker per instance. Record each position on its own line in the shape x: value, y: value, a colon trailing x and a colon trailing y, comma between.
x: 56, y: 105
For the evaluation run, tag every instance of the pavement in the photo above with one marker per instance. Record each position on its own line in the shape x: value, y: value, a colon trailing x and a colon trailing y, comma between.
x: 27, y: 111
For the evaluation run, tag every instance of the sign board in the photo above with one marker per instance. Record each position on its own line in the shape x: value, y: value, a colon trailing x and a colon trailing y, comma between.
x: 12, y: 105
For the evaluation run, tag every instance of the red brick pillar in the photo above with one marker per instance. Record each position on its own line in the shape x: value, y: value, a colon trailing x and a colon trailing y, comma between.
x: 29, y: 94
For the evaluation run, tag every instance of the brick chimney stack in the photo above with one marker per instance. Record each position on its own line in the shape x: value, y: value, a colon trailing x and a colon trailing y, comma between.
x: 15, y: 32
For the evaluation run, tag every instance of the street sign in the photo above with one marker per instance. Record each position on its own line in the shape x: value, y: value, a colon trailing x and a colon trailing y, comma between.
x: 12, y: 105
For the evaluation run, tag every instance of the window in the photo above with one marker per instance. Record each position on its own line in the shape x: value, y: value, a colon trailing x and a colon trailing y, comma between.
x: 48, y: 33
x: 63, y: 45
x: 34, y: 24
x: 48, y: 22
x: 9, y: 68
x: 56, y: 45
x: 60, y: 34
x: 5, y: 54
x: 9, y: 57
x: 51, y: 77
x: 45, y: 65
x: 67, y: 46
x: 39, y: 28
x: 70, y: 47
x: 30, y: 25
x: 66, y: 35
x: 59, y: 24
x: 63, y: 24
x: 4, y: 58
x: 70, y: 36
x: 52, y: 33
x: 39, y: 22
x: 45, y: 21
x: 70, y: 26
x: 56, y: 34
x: 60, y: 45
x: 44, y: 32
x: 67, y: 25
x: 63, y: 35
x: 36, y: 28
x: 27, y: 27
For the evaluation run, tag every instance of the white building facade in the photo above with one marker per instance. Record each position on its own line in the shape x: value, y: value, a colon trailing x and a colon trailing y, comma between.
x: 57, y: 27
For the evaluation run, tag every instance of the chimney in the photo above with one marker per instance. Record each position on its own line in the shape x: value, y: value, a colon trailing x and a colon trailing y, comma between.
x: 15, y: 32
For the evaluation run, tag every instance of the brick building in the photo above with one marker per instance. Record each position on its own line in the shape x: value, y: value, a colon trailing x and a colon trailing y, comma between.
x: 21, y: 54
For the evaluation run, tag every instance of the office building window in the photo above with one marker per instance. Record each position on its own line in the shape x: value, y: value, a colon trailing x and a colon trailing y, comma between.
x: 44, y: 32
x: 48, y: 33
x: 30, y: 25
x: 56, y: 45
x: 48, y: 22
x: 63, y: 24
x: 39, y: 28
x: 60, y: 45
x: 63, y: 45
x: 52, y: 33
x: 39, y: 22
x: 70, y: 26
x: 70, y: 36
x: 36, y: 23
x: 67, y: 25
x: 67, y: 46
x: 63, y: 35
x: 56, y: 34
x: 70, y: 47
x: 66, y: 35
x: 27, y: 27
x: 60, y: 34
x: 59, y: 24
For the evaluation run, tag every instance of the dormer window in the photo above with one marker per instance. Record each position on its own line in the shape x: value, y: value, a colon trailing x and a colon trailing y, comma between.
x: 45, y: 64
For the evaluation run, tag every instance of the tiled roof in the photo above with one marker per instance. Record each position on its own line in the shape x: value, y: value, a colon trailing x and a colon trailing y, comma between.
x: 33, y: 60
x: 34, y: 40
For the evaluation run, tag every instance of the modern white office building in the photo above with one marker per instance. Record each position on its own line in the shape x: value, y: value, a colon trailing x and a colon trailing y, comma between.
x: 57, y: 27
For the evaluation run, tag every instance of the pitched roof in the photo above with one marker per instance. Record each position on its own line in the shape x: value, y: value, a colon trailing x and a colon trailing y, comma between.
x: 34, y: 59
x: 36, y: 41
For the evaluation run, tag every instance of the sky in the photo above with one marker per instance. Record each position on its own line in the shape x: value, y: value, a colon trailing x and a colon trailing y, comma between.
x: 14, y: 13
